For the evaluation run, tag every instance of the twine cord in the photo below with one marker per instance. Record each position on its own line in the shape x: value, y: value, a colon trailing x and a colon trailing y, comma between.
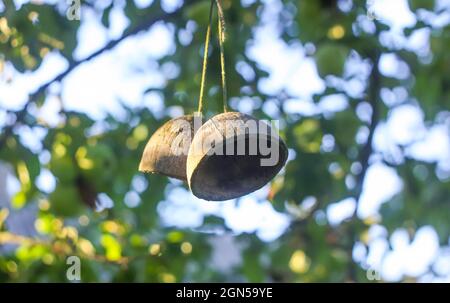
x: 205, y: 59
x: 221, y: 31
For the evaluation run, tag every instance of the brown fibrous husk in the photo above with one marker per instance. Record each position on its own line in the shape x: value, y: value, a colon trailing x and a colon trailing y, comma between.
x: 167, y: 149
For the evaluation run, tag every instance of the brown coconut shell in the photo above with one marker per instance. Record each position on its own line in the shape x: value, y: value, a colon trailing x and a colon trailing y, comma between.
x: 166, y: 151
x: 216, y: 177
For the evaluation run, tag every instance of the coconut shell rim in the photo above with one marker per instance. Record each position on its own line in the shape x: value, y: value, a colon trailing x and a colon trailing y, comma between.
x: 163, y: 174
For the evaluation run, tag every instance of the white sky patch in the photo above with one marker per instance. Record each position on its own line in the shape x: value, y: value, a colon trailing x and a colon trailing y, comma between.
x: 12, y: 185
x: 437, y: 137
x: 355, y: 88
x: 392, y: 266
x: 46, y: 181
x: 399, y: 239
x: 156, y: 42
x: 443, y: 4
x: 3, y: 117
x: 298, y: 106
x: 339, y: 211
x: 92, y: 88
x: 132, y: 199
x: 432, y: 278
x: 411, y: 259
x: 364, y: 111
x: 154, y: 101
x: 377, y: 249
x: 247, y: 3
x: 357, y: 66
x: 398, y: 16
x: 182, y: 209
x: 395, y: 96
x: 143, y: 3
x: 288, y: 66
x: 333, y: 103
x: 19, y: 3
x: 391, y: 66
x: 245, y: 104
x: 175, y: 111
x: 377, y: 231
x: 91, y: 36
x: 381, y: 184
x: 359, y: 252
x: 394, y: 13
x: 405, y: 124
x: 139, y: 183
x: 442, y: 263
x: 419, y: 41
x: 271, y: 108
x: 226, y: 252
x: 32, y: 137
x: 382, y: 142
x: 422, y: 251
x: 104, y: 201
x: 120, y: 75
x: 171, y: 5
x: 49, y: 112
x: 15, y: 93
x: 118, y: 22
x: 253, y: 216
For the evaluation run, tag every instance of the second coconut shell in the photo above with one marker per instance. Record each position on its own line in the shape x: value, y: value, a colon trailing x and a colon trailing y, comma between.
x: 166, y: 151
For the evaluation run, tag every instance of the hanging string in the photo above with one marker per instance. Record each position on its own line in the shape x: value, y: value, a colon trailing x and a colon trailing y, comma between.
x: 205, y: 58
x: 221, y: 30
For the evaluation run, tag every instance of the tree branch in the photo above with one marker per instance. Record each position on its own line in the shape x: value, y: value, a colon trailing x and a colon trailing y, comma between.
x: 21, y: 114
x: 364, y: 156
x: 366, y: 150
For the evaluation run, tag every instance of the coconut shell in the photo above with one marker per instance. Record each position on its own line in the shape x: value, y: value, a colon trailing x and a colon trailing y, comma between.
x: 217, y: 177
x: 166, y: 151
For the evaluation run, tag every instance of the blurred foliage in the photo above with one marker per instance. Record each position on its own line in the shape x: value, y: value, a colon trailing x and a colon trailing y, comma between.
x: 92, y: 159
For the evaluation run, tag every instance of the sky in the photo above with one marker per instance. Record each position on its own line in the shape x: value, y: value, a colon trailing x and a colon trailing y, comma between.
x: 129, y: 69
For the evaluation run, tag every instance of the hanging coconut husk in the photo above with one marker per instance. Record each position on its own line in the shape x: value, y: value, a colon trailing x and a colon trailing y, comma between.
x: 166, y: 151
x: 232, y: 155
